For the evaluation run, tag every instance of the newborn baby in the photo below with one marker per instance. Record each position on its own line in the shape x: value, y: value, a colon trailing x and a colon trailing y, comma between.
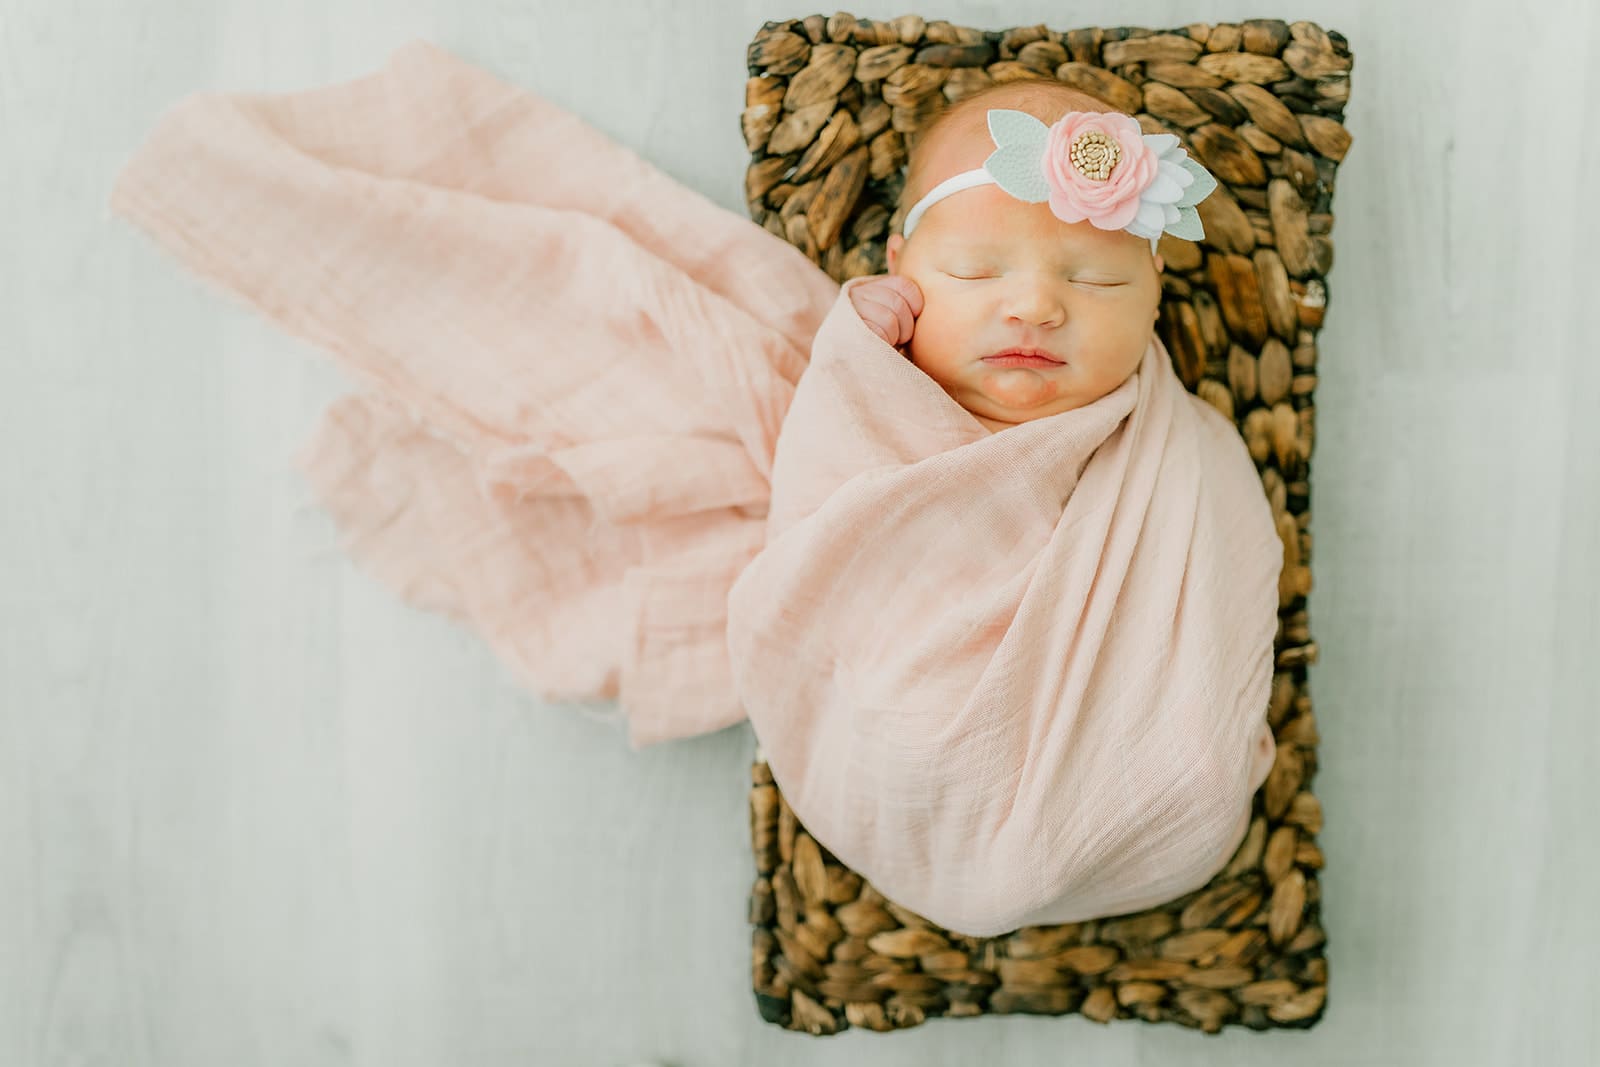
x: 986, y: 274
x: 1016, y: 679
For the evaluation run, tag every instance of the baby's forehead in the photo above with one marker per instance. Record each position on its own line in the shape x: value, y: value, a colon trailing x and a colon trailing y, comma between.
x: 959, y: 144
x: 1013, y: 231
x: 967, y: 238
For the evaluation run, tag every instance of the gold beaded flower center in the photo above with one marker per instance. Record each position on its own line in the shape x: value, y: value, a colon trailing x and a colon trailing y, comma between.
x: 1094, y: 154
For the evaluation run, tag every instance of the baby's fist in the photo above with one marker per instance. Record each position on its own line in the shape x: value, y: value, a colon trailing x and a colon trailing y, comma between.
x: 889, y: 304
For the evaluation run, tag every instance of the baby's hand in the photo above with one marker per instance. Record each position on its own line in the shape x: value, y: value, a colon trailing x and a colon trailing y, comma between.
x: 889, y: 304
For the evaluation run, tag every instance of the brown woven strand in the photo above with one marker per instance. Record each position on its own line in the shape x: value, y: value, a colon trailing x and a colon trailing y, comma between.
x: 832, y: 106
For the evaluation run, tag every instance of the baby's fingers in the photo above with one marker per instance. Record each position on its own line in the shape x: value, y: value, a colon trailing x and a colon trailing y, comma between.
x: 875, y: 316
x: 880, y: 321
x: 890, y: 308
x: 907, y: 288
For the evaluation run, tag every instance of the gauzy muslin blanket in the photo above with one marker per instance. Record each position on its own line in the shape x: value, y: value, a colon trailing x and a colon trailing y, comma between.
x: 649, y: 451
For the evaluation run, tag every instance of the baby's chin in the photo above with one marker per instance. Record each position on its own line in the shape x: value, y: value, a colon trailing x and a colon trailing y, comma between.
x: 1020, y: 394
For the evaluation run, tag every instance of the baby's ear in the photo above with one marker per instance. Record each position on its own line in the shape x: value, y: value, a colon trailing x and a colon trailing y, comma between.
x: 1161, y: 264
x: 891, y: 250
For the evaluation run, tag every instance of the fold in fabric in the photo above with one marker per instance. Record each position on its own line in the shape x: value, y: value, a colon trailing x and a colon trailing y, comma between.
x: 650, y: 452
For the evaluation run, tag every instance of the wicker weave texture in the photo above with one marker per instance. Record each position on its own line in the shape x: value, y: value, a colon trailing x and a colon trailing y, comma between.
x: 832, y: 106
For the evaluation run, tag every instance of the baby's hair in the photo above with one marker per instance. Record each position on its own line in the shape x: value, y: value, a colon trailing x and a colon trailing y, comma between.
x: 1045, y: 98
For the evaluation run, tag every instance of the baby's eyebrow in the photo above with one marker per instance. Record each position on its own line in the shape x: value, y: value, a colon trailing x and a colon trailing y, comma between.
x: 984, y: 246
x: 995, y: 244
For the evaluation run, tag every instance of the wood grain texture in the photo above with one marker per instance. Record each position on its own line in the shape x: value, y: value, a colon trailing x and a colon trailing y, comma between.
x: 257, y: 812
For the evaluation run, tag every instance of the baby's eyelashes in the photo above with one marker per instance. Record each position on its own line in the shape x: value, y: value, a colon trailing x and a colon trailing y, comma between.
x: 973, y: 274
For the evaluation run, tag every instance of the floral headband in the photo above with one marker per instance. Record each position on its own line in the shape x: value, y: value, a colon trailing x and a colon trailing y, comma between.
x: 1095, y: 165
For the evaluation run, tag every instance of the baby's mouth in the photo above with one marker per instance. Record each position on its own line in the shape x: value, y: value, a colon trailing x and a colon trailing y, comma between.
x: 1023, y: 357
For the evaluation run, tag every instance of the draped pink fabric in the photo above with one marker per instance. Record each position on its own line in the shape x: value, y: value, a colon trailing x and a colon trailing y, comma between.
x: 649, y: 452
x: 574, y: 368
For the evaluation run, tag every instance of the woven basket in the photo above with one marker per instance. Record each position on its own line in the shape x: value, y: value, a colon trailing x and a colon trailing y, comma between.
x: 831, y: 107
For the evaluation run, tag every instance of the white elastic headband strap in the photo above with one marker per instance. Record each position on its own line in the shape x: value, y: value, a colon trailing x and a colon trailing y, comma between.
x: 964, y: 180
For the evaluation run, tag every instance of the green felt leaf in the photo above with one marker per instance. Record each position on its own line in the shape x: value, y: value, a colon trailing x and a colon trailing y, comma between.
x: 1198, y: 189
x: 1016, y: 163
x: 1007, y: 127
x: 1188, y: 225
x: 1017, y: 170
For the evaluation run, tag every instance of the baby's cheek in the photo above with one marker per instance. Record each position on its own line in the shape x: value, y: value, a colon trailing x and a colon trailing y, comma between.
x: 928, y: 333
x: 933, y: 319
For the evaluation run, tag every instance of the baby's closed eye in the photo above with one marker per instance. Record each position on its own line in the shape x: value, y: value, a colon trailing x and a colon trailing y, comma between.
x: 973, y: 274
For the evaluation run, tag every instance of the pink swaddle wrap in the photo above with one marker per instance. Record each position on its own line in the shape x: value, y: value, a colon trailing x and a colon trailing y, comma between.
x: 1021, y: 677
x: 650, y: 452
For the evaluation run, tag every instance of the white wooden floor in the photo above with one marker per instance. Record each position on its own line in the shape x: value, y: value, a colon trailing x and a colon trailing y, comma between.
x: 255, y: 812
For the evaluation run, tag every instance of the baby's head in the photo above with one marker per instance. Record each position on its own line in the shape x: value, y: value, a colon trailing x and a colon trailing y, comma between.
x: 997, y: 272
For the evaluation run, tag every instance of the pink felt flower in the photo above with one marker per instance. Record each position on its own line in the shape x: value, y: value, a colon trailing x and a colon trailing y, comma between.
x: 1110, y: 202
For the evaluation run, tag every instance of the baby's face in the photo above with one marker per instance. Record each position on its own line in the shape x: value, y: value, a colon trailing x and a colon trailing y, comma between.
x: 997, y: 273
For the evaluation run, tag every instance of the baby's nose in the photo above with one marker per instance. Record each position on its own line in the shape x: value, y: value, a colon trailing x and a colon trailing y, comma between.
x: 1036, y: 304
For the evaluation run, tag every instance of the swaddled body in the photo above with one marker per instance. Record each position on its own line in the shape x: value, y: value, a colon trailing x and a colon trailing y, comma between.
x: 1010, y: 678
